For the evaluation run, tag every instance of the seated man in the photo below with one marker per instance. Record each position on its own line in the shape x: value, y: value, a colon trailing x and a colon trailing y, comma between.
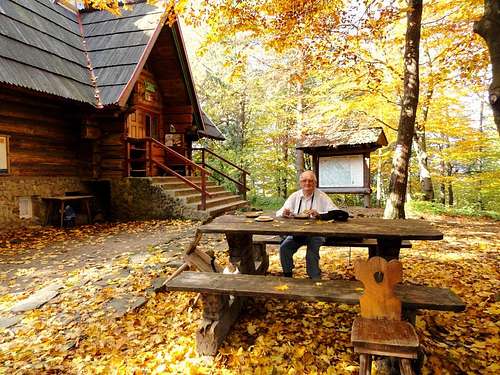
x: 311, y: 201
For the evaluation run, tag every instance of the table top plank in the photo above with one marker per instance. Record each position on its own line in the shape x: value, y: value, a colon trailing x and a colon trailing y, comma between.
x: 338, y: 291
x: 69, y: 197
x: 408, y: 229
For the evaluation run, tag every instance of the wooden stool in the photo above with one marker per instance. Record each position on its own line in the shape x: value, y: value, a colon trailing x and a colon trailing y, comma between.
x: 379, y: 330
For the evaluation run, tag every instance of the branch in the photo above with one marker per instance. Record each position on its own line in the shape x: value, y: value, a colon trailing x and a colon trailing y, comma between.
x: 378, y: 120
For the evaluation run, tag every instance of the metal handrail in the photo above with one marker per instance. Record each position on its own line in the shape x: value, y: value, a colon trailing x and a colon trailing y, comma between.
x: 220, y: 157
x: 242, y: 184
x: 224, y: 175
x: 187, y: 162
x: 180, y: 156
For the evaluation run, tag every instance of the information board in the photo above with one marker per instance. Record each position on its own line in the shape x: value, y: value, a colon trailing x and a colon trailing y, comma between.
x: 341, y: 171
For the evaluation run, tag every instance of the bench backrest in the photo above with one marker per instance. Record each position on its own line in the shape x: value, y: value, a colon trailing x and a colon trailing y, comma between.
x: 379, y: 278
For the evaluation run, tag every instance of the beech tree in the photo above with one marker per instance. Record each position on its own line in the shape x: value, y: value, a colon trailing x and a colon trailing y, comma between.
x: 394, y: 208
x: 489, y: 28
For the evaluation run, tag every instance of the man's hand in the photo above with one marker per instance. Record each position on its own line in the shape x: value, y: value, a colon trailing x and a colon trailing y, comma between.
x: 312, y: 213
x: 287, y: 212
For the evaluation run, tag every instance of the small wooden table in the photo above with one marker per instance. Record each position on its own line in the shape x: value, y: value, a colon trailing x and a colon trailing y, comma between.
x: 58, y: 202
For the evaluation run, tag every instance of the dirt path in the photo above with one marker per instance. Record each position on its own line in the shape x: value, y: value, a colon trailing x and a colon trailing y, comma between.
x: 98, y: 277
x: 56, y: 252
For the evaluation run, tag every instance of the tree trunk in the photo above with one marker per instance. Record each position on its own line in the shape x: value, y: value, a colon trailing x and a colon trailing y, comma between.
x: 442, y: 186
x: 425, y: 175
x: 419, y: 141
x: 299, y: 154
x: 379, y: 177
x: 284, y: 187
x: 450, y: 186
x: 489, y: 28
x: 399, y: 176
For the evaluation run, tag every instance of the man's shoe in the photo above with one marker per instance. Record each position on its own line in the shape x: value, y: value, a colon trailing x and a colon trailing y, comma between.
x: 287, y: 274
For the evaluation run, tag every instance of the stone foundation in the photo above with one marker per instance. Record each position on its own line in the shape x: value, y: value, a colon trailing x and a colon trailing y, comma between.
x: 130, y: 199
x: 12, y: 188
x: 135, y: 198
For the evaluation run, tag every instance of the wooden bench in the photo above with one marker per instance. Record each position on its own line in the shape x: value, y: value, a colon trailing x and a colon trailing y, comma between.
x: 220, y: 312
x: 260, y: 242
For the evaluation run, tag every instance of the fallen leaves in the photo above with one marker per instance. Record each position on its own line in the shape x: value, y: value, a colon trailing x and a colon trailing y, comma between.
x: 75, y: 333
x: 281, y: 287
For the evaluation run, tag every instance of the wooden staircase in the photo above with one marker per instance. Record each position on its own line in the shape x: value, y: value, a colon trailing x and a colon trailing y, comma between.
x: 137, y: 156
x: 221, y: 200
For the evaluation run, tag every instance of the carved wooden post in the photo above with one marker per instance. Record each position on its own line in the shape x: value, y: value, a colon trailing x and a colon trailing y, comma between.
x: 241, y: 252
x: 388, y: 248
x: 214, y: 305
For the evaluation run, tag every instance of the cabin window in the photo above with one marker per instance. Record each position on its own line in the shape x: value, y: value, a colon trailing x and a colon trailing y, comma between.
x: 149, y: 91
x: 152, y: 125
x: 341, y: 171
x: 4, y: 154
x: 25, y: 208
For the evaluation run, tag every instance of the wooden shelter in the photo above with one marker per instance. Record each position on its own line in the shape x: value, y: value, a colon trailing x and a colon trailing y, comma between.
x: 341, y: 158
x: 90, y: 96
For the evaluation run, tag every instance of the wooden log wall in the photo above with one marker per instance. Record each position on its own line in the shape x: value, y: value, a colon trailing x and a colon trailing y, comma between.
x: 45, y: 137
x: 110, y: 154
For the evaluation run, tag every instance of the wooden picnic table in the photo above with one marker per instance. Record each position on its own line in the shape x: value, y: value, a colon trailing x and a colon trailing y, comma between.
x: 59, y: 202
x: 220, y: 312
x: 388, y: 233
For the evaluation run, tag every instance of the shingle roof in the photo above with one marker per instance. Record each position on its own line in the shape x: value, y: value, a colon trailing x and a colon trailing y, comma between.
x: 42, y: 48
x: 211, y: 130
x: 92, y: 57
x: 332, y: 137
x: 116, y: 45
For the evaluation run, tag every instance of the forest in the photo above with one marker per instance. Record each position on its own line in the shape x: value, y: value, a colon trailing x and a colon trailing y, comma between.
x: 269, y: 72
x: 94, y: 298
x: 266, y: 89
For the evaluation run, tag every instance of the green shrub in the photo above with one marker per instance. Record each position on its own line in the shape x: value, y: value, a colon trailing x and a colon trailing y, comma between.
x: 440, y: 209
x: 266, y: 203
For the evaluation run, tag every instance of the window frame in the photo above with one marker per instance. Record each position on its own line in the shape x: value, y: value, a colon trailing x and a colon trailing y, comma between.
x: 5, y: 172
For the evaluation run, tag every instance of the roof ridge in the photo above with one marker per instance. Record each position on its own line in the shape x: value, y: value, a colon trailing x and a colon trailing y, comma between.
x: 93, y: 78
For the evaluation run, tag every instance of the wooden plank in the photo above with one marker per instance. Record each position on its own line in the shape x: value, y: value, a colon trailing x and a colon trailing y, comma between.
x: 179, y: 109
x: 211, y: 334
x: 276, y: 240
x: 379, y: 278
x: 338, y: 291
x: 353, y: 228
x: 395, y: 336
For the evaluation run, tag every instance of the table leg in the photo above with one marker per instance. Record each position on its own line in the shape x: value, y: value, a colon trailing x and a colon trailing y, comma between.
x: 388, y: 248
x: 241, y: 252
x: 89, y: 217
x: 221, y: 312
x: 49, y: 212
x: 261, y: 258
x: 62, y: 213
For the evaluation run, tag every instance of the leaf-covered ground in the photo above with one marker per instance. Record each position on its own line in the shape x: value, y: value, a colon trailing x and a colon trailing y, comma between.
x: 86, y: 328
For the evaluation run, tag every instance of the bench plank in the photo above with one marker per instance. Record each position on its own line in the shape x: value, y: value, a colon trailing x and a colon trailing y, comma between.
x: 276, y: 240
x: 338, y: 291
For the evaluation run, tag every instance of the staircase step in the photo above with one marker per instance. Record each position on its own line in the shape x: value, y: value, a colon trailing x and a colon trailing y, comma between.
x: 195, y: 197
x: 212, y: 202
x: 178, y: 184
x: 218, y: 210
x: 182, y: 192
x: 175, y: 179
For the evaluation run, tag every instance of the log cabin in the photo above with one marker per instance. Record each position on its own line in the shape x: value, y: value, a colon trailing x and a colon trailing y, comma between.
x: 101, y: 104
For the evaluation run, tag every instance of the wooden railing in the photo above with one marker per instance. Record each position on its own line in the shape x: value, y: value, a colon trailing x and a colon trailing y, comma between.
x: 150, y: 161
x: 241, y: 184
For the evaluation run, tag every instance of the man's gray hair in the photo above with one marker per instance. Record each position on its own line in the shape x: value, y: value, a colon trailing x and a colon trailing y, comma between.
x: 309, y: 172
